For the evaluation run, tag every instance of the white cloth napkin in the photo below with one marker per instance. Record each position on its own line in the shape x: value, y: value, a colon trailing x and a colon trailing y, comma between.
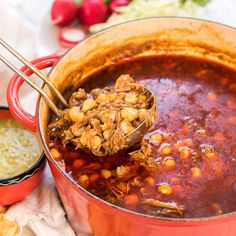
x: 41, y: 213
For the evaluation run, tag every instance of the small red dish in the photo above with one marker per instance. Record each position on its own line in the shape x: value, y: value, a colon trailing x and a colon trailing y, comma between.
x: 16, y: 188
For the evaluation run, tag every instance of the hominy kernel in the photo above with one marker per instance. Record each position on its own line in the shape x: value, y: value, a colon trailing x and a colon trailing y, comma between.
x: 201, y: 132
x: 96, y: 142
x: 211, y: 155
x: 88, y: 104
x: 217, y: 209
x: 108, y: 115
x: 111, y: 97
x: 76, y: 115
x: 106, y: 134
x: 84, y: 181
x: 131, y: 98
x: 129, y: 113
x: 55, y: 153
x: 106, y: 127
x: 142, y: 98
x: 185, y: 152
x: 131, y: 200
x: 126, y: 126
x: 142, y: 190
x: 142, y: 114
x: 156, y: 139
x: 208, y: 151
x: 169, y: 163
x: 102, y: 98
x: 196, y: 172
x: 150, y: 181
x: 165, y: 149
x: 106, y: 174
x: 165, y: 189
x: 120, y: 98
x: 84, y: 139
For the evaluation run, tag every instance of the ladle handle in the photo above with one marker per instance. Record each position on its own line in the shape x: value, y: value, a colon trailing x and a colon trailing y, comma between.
x: 13, y: 89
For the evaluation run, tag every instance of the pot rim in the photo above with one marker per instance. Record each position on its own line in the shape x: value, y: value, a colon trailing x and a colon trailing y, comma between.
x: 124, y: 210
x: 26, y: 174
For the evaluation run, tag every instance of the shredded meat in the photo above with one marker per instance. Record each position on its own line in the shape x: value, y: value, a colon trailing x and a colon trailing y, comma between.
x: 166, y: 205
x: 99, y: 122
x: 77, y: 98
x: 143, y: 156
x: 122, y: 171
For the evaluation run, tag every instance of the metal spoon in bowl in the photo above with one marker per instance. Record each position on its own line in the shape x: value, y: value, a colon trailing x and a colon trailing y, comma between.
x: 137, y: 134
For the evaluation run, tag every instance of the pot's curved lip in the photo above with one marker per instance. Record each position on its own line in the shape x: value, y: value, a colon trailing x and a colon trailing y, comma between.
x: 26, y: 174
x: 190, y: 220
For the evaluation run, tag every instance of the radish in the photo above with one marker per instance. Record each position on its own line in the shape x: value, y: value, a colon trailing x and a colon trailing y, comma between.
x: 63, y: 12
x: 92, y: 12
x: 116, y: 4
x: 69, y: 36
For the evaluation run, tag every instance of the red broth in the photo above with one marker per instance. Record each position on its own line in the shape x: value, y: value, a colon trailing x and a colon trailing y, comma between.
x: 195, y: 141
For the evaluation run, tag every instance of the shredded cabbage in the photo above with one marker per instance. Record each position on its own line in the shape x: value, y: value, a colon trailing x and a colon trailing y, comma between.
x: 148, y: 8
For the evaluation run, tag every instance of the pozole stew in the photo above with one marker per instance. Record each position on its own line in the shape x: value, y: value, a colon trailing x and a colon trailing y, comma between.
x: 185, y: 166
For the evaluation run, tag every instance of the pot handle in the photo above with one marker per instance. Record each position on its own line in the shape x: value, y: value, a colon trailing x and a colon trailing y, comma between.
x: 13, y: 88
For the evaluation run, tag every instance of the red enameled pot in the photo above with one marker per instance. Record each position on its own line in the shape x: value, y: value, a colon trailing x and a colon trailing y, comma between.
x: 16, y: 188
x: 147, y: 37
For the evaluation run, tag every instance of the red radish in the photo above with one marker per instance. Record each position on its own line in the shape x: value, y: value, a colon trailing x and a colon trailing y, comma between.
x: 92, y: 12
x: 63, y: 12
x: 116, y: 4
x: 69, y: 36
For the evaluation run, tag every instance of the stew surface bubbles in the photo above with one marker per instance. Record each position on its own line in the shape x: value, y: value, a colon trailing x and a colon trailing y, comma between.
x: 193, y: 143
